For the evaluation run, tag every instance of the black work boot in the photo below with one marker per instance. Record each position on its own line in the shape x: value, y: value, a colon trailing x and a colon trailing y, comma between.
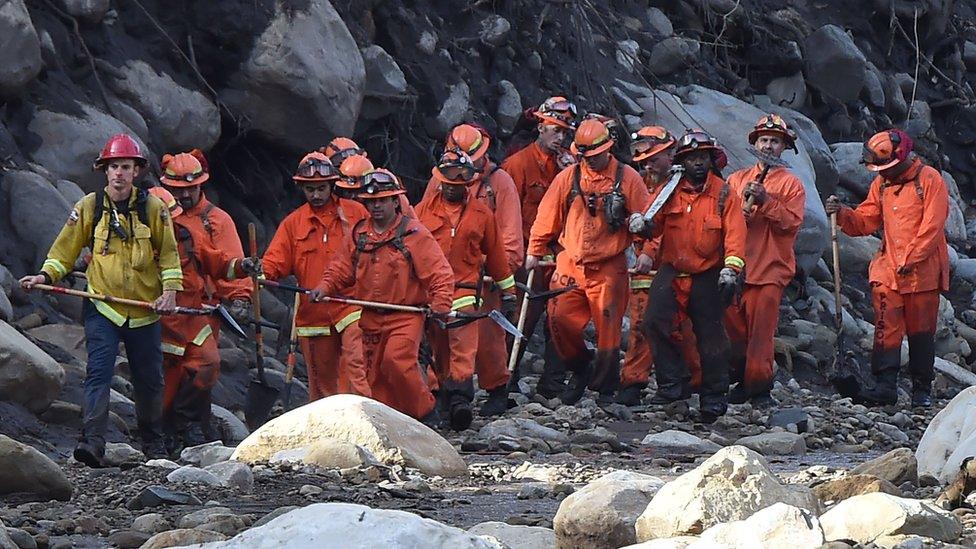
x: 460, y: 414
x: 497, y: 402
x: 669, y: 394
x: 90, y: 453
x: 738, y: 394
x: 921, y: 360
x: 155, y: 449
x: 581, y: 374
x: 884, y: 391
x: 553, y: 380
x: 631, y: 394
x: 432, y: 419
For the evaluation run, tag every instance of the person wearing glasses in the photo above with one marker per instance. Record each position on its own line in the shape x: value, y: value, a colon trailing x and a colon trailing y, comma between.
x: 587, y: 209
x: 134, y: 256
x: 494, y: 188
x: 393, y: 259
x: 307, y: 240
x: 908, y: 200
x: 774, y: 202
x: 703, y: 236
x: 466, y: 231
x: 532, y: 169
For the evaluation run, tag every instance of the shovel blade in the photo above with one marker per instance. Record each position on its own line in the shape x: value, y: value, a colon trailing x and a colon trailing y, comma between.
x: 260, y: 399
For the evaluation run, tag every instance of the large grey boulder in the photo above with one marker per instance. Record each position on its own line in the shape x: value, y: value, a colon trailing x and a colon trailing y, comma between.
x: 304, y: 79
x: 24, y: 469
x: 602, y: 514
x: 28, y: 375
x: 390, y: 436
x: 70, y: 143
x: 853, y: 176
x: 788, y: 91
x: 20, y: 48
x: 455, y: 108
x: 897, y: 467
x: 384, y: 82
x: 90, y: 10
x: 731, y: 485
x: 178, y: 118
x: 37, y: 210
x: 865, y: 518
x: 834, y: 64
x: 672, y: 54
x: 950, y: 438
x: 516, y: 536
x: 342, y: 525
x: 729, y: 120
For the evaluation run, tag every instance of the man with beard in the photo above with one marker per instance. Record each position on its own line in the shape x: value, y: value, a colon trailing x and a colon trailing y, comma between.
x: 702, y: 245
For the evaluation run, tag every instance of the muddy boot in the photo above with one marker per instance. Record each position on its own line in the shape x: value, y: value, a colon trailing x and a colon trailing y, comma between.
x: 193, y: 435
x: 631, y: 394
x: 155, y: 449
x: 921, y: 397
x: 921, y: 358
x: 460, y: 414
x: 884, y: 392
x: 582, y: 374
x: 432, y: 419
x: 90, y: 453
x: 497, y: 402
x: 738, y: 394
x: 670, y: 394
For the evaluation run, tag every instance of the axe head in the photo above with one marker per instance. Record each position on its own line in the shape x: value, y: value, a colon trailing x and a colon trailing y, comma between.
x: 768, y: 159
x: 228, y: 321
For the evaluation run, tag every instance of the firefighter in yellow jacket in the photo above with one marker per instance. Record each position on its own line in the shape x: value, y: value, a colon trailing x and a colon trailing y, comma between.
x: 134, y: 256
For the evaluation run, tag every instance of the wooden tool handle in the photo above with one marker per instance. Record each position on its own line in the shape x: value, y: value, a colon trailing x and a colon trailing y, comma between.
x: 839, y: 312
x: 523, y: 311
x: 256, y: 303
x: 292, y: 341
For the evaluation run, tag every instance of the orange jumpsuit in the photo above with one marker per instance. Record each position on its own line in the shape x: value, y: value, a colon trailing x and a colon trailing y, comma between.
x: 593, y: 259
x: 910, y: 269
x: 329, y: 333
x: 391, y: 339
x: 469, y: 238
x: 497, y: 190
x: 771, y: 230
x: 221, y: 232
x: 191, y: 363
x: 638, y: 360
x: 701, y: 232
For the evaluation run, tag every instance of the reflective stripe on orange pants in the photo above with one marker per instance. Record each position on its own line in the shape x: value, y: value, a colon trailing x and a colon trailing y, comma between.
x: 601, y: 295
x: 897, y: 315
x: 335, y: 363
x: 751, y: 324
x: 390, y: 346
x: 199, y: 367
x: 491, y: 361
x: 639, y: 360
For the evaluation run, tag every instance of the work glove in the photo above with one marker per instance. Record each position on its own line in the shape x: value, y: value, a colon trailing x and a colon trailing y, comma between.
x: 728, y: 285
x: 510, y: 307
x: 240, y: 310
x: 757, y: 192
x: 636, y: 224
x: 644, y: 264
x: 250, y: 266
x: 832, y: 205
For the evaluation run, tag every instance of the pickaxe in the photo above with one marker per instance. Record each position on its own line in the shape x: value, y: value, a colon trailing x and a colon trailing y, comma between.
x: 461, y: 318
x: 769, y: 162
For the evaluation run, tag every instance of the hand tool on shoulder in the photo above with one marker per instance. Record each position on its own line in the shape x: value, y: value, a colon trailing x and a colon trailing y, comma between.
x: 260, y: 395
x: 677, y: 172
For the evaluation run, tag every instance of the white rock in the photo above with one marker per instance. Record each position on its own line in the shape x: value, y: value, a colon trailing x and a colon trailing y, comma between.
x: 867, y: 517
x: 516, y: 537
x: 392, y: 437
x: 163, y: 464
x: 189, y: 473
x: 344, y: 525
x: 117, y: 453
x: 679, y: 542
x: 233, y: 474
x: 679, y: 442
x: 775, y: 444
x: 206, y: 454
x: 521, y: 427
x: 949, y: 438
x: 28, y: 376
x: 151, y: 523
x: 779, y: 525
x: 603, y: 513
x: 335, y: 453
x: 731, y: 485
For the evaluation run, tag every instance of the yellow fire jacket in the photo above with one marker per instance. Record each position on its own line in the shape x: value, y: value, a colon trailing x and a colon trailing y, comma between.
x: 140, y: 267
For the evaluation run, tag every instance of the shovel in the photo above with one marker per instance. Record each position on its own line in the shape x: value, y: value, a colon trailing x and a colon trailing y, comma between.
x: 844, y: 372
x: 292, y: 344
x: 260, y: 396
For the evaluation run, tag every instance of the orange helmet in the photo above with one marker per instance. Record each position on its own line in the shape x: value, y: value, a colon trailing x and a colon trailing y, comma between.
x: 774, y: 124
x: 352, y: 170
x: 198, y: 154
x: 182, y: 170
x: 380, y: 183
x: 649, y: 141
x: 557, y: 111
x: 592, y: 138
x: 168, y: 199
x: 455, y: 168
x: 469, y: 139
x: 315, y: 167
x: 886, y: 149
x: 120, y: 146
x: 340, y: 149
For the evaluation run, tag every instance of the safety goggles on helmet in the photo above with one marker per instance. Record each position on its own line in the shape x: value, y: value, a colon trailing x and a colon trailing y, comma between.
x: 339, y: 156
x: 379, y: 182
x: 558, y: 105
x: 695, y: 140
x: 454, y: 165
x: 596, y: 144
x: 188, y: 177
x: 315, y: 168
x: 643, y: 142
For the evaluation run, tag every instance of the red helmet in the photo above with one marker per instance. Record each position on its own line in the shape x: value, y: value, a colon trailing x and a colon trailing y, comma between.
x: 340, y: 149
x: 120, y: 146
x: 773, y: 124
x: 557, y: 111
x: 886, y: 149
